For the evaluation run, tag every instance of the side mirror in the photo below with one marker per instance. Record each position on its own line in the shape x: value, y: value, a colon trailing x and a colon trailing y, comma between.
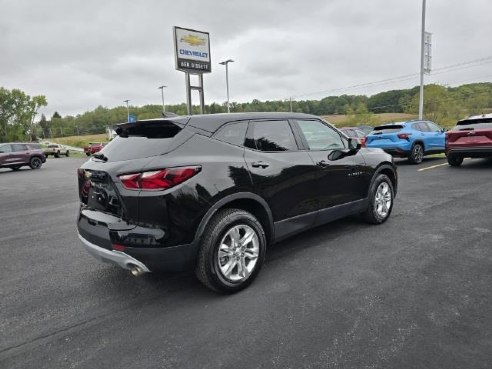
x: 353, y: 147
x: 354, y: 144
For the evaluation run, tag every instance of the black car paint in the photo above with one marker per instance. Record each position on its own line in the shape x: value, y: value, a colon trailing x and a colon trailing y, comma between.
x: 163, y: 229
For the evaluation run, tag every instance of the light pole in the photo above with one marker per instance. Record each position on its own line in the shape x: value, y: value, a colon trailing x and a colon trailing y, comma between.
x: 162, y: 94
x: 226, y: 63
x: 421, y: 97
x: 127, y: 110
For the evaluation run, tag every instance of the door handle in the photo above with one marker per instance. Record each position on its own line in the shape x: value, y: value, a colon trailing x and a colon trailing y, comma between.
x: 322, y: 163
x: 260, y: 164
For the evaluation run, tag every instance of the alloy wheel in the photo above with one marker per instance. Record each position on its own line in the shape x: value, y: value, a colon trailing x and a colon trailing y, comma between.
x: 418, y: 153
x: 35, y: 163
x: 382, y: 200
x: 238, y: 253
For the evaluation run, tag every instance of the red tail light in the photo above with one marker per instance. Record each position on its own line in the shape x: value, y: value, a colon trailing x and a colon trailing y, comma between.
x: 118, y: 247
x: 362, y: 141
x: 404, y: 136
x: 159, y: 179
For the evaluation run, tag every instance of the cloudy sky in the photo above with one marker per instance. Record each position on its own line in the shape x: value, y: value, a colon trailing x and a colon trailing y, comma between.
x: 81, y: 54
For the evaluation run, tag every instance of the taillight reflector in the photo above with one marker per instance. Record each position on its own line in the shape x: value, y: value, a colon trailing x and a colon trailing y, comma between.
x: 404, y: 136
x: 158, y: 179
x: 117, y: 247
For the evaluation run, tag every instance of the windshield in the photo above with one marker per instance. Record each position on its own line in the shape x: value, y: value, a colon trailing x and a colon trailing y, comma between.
x: 141, y: 140
x: 387, y: 129
x: 484, y: 123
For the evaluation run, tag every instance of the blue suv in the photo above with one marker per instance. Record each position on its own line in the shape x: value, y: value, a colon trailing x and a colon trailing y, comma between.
x: 412, y: 139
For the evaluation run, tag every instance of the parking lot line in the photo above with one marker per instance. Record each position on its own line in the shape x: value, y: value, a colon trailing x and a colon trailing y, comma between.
x: 432, y: 167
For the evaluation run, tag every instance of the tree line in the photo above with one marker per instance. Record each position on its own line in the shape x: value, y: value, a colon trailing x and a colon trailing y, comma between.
x: 444, y: 105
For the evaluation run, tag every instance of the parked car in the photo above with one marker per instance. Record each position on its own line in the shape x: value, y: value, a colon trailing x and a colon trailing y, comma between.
x: 365, y: 128
x: 411, y: 139
x: 16, y: 155
x: 92, y: 148
x: 471, y: 138
x: 354, y: 132
x: 56, y: 150
x: 210, y: 192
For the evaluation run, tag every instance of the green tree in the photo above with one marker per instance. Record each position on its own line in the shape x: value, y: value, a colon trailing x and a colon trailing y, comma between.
x: 17, y: 113
x: 361, y: 116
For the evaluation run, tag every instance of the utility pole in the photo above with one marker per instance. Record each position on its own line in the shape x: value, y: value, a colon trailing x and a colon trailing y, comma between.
x: 291, y: 104
x: 162, y: 94
x: 127, y: 110
x: 226, y: 63
x: 421, y: 96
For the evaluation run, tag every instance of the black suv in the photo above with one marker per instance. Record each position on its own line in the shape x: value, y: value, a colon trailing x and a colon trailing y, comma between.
x: 210, y: 192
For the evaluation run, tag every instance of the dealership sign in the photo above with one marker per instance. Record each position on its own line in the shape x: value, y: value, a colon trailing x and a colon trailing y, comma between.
x: 192, y: 50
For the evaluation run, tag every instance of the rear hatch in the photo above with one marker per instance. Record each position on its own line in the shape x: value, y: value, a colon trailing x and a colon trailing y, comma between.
x: 471, y: 133
x: 383, y: 135
x: 136, y: 145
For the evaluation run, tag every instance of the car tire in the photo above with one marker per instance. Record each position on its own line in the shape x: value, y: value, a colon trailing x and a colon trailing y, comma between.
x: 416, y: 154
x: 88, y: 153
x: 381, y: 198
x: 57, y: 154
x: 225, y: 264
x: 67, y: 154
x: 455, y: 160
x: 35, y: 162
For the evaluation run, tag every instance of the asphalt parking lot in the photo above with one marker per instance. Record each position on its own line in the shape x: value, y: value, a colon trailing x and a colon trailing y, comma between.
x: 414, y: 292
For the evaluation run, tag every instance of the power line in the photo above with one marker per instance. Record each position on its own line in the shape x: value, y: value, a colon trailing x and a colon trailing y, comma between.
x: 440, y: 70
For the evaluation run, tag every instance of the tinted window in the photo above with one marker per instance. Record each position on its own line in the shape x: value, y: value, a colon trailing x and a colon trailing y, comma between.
x: 483, y: 123
x: 387, y: 129
x: 420, y: 126
x: 232, y: 133
x: 5, y: 148
x: 272, y: 136
x: 433, y: 127
x: 141, y: 140
x: 19, y: 147
x: 35, y: 146
x: 320, y: 136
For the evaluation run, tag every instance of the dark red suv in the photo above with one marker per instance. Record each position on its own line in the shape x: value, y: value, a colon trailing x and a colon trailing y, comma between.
x: 16, y: 155
x: 94, y: 147
x: 471, y: 138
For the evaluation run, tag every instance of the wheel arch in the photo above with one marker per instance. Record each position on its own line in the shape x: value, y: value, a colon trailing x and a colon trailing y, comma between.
x: 388, y: 170
x: 247, y: 201
x: 420, y: 142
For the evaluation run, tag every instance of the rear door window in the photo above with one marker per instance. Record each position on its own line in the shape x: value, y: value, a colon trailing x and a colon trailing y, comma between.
x: 233, y: 133
x: 19, y: 147
x: 271, y: 135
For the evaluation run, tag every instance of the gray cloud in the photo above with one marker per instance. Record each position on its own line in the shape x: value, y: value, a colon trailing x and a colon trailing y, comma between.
x: 84, y: 54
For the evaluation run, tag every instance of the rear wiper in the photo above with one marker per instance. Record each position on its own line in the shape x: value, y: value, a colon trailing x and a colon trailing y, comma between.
x: 100, y: 156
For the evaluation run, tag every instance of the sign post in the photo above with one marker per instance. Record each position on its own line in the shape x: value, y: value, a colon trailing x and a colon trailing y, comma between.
x: 192, y: 56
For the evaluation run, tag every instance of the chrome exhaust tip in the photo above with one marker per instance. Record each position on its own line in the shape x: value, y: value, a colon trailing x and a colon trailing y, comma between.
x: 136, y: 270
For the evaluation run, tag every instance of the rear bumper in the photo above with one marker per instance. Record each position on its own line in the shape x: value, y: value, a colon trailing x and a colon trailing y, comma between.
x: 392, y: 149
x: 142, y: 246
x: 119, y: 258
x: 470, y: 152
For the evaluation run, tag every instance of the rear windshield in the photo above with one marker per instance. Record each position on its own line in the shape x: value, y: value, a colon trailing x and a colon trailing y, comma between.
x: 141, y: 140
x: 387, y: 129
x: 52, y: 146
x: 484, y: 123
